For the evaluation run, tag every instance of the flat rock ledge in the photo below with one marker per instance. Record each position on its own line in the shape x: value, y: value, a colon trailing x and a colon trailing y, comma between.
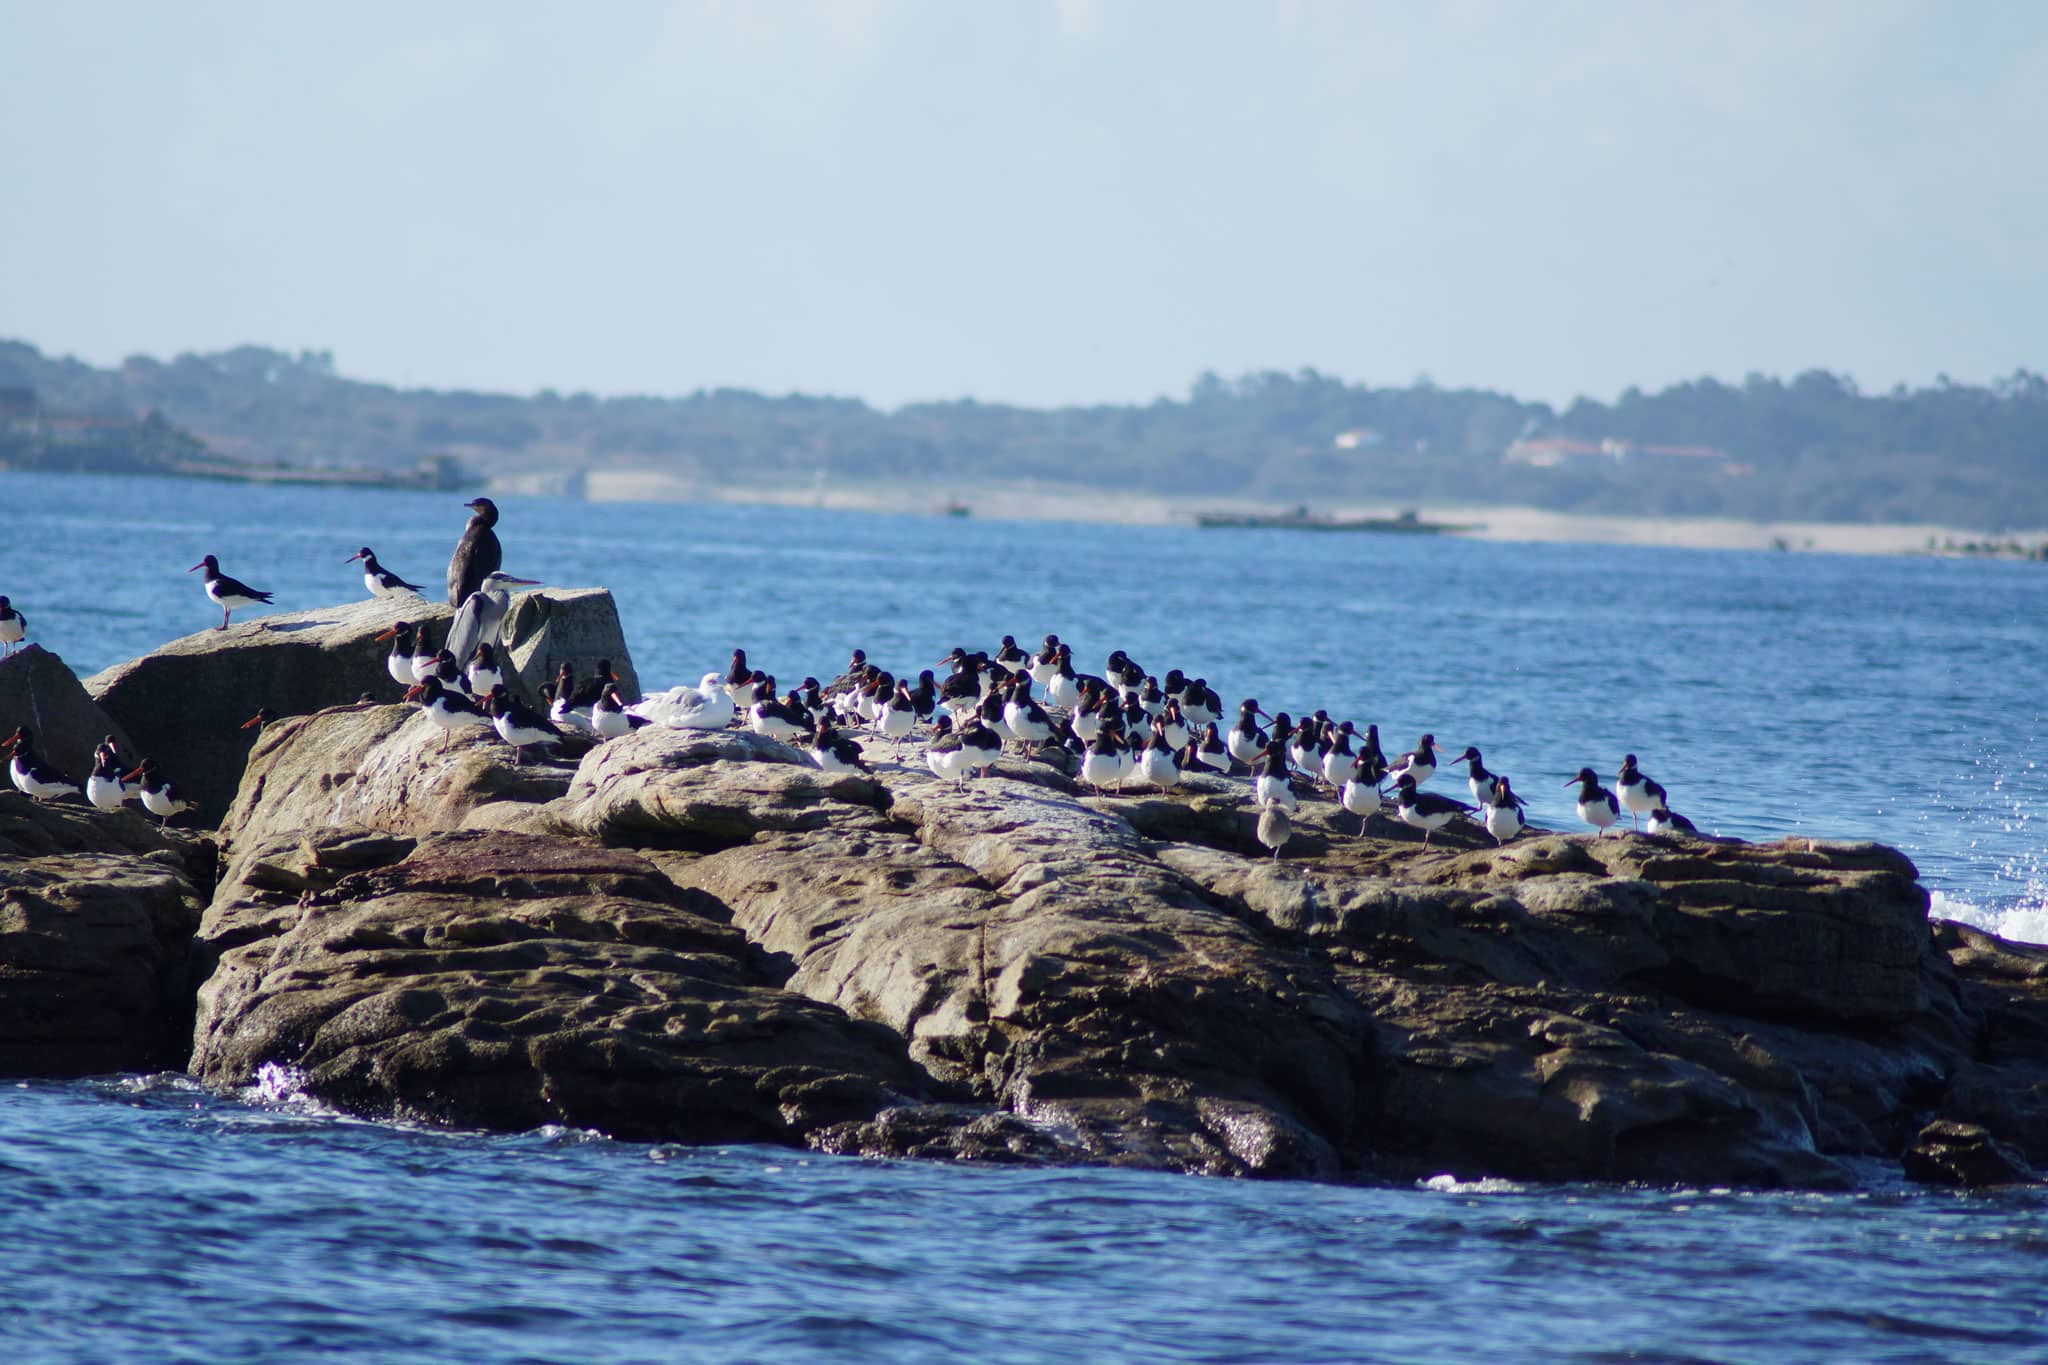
x: 701, y: 937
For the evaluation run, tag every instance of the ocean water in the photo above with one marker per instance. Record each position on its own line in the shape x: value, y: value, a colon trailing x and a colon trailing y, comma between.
x: 1832, y: 696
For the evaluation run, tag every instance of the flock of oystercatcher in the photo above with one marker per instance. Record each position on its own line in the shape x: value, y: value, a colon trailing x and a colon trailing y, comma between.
x: 1122, y: 727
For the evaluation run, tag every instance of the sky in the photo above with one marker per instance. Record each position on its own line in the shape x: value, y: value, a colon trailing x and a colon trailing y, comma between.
x: 1049, y: 203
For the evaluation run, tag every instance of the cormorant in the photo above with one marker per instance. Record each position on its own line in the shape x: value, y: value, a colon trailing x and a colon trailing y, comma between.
x: 477, y: 554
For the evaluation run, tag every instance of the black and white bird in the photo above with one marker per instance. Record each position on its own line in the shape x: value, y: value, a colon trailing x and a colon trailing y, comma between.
x: 1665, y: 820
x: 1046, y: 662
x: 1596, y: 805
x: 1123, y: 673
x: 962, y: 691
x: 1155, y: 764
x: 483, y: 671
x: 1426, y: 811
x: 574, y: 701
x: 398, y: 663
x: 1504, y: 814
x: 426, y: 655
x: 982, y: 745
x: 834, y: 752
x: 1340, y: 760
x: 477, y: 554
x: 518, y: 724
x: 449, y: 671
x: 1304, y: 749
x: 1418, y: 763
x: 159, y: 798
x: 31, y: 775
x: 1372, y: 764
x: 1271, y: 785
x: 451, y: 712
x: 1477, y: 778
x: 1639, y: 795
x: 1103, y: 763
x: 103, y: 785
x: 610, y: 718
x: 1362, y: 798
x: 1024, y: 718
x: 946, y: 756
x: 1064, y: 688
x: 381, y: 581
x: 779, y: 718
x: 1208, y: 752
x: 1173, y: 723
x: 924, y: 697
x: 896, y: 716
x: 1246, y: 741
x: 13, y: 627
x: 227, y: 593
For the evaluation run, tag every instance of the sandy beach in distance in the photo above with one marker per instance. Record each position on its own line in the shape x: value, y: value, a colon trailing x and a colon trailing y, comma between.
x: 1036, y: 502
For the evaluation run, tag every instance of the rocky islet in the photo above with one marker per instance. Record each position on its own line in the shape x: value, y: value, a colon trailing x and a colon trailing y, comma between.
x: 703, y: 937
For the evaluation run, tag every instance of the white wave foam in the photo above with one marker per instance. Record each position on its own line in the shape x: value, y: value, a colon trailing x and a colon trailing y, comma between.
x: 1450, y: 1184
x: 2024, y: 922
x: 277, y: 1086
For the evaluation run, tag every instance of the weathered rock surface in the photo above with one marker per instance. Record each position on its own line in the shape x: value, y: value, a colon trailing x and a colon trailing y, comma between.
x: 379, y: 767
x: 2004, y: 1084
x: 513, y: 980
x: 97, y: 913
x: 1950, y: 1153
x: 37, y: 690
x: 184, y: 702
x: 1128, y: 980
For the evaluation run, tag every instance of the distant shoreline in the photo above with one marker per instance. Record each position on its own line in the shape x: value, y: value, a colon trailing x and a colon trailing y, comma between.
x: 1054, y: 502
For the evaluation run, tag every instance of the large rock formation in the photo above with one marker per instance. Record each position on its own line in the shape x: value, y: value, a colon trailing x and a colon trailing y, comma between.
x: 184, y: 703
x: 97, y: 913
x: 1082, y: 977
x: 38, y: 691
x: 705, y: 937
x: 515, y: 980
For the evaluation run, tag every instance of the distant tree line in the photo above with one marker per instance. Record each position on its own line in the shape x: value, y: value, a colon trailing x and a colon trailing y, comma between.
x: 1813, y: 447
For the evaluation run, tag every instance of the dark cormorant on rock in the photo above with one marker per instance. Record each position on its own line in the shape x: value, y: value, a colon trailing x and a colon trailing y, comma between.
x: 477, y: 555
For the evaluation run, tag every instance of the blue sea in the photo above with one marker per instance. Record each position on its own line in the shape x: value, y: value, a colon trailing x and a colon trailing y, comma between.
x: 1835, y: 696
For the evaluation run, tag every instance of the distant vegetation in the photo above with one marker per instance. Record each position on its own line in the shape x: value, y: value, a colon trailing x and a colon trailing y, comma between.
x: 1812, y: 448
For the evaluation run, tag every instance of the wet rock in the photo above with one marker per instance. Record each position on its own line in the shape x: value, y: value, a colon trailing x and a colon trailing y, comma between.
x: 1950, y: 1153
x: 514, y: 980
x: 184, y: 702
x: 2004, y: 1083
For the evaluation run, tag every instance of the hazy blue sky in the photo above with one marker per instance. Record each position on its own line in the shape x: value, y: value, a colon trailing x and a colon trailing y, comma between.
x: 1040, y: 203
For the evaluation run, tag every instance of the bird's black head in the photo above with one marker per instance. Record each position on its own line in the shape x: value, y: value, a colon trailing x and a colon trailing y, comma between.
x: 486, y: 511
x: 1586, y: 778
x: 210, y: 564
